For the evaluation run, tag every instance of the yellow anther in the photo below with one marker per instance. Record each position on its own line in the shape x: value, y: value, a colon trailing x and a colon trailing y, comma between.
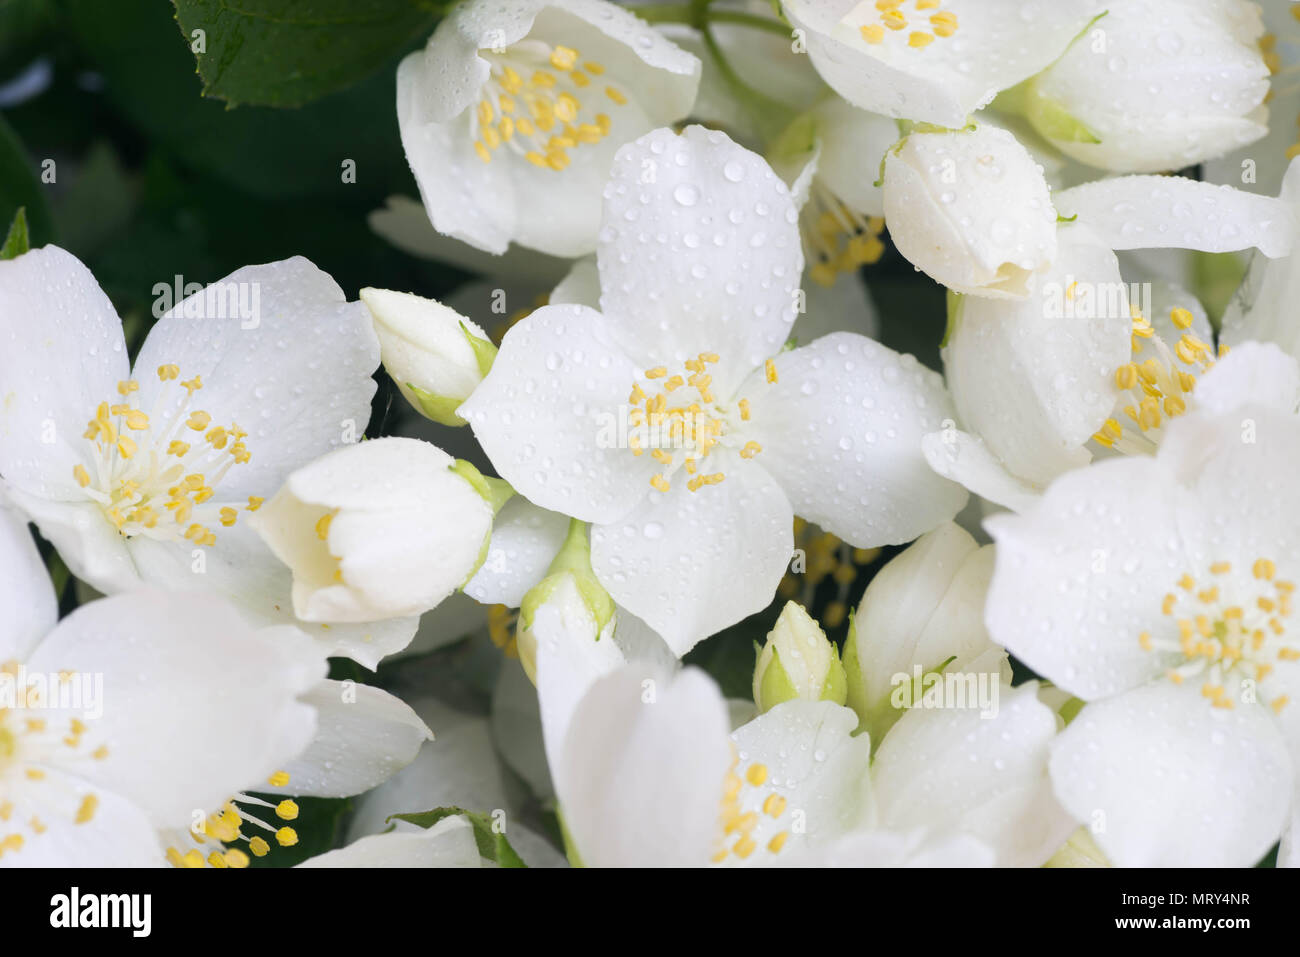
x: 286, y: 810
x: 254, y: 502
x: 198, y: 421
x: 89, y: 804
x: 323, y: 526
x: 756, y: 774
x: 944, y: 22
x: 482, y: 152
x: 168, y: 372
x: 750, y: 450
x: 1265, y: 569
x: 893, y: 19
x: 770, y: 368
x: 872, y: 33
x: 778, y: 841
x: 279, y: 779
x: 81, y: 475
x: 919, y: 39
x: 259, y: 847
x: 286, y: 837
x: 660, y: 483
x: 774, y: 805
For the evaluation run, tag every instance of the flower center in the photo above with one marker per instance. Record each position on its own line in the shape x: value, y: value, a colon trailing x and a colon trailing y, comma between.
x: 680, y: 429
x: 1157, y: 386
x: 838, y: 240
x: 750, y: 816
x: 161, y: 483
x: 538, y: 104
x: 30, y: 739
x: 1221, y: 639
x: 877, y: 19
x: 214, y: 832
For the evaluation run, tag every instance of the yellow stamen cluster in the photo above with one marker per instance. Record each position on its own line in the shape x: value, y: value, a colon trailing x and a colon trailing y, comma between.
x: 533, y: 104
x: 161, y: 483
x: 27, y: 742
x: 689, y: 422
x: 837, y: 240
x: 227, y: 827
x: 824, y: 556
x: 891, y: 17
x: 1158, y: 386
x: 737, y: 825
x: 1220, y: 638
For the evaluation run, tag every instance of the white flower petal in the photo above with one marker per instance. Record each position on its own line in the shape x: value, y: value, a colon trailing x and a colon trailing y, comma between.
x: 640, y: 781
x: 525, y: 540
x: 64, y: 354
x: 997, y: 44
x: 26, y: 592
x: 1082, y: 574
x: 699, y: 252
x: 85, y: 539
x: 692, y: 563
x: 556, y: 385
x: 363, y: 737
x: 449, y: 843
x: 1261, y: 308
x: 964, y: 458
x: 218, y: 713
x: 964, y: 770
x: 924, y: 607
x: 1137, y: 212
x: 1253, y: 373
x: 119, y: 835
x: 298, y: 381
x: 810, y: 759
x: 841, y: 432
x: 1035, y: 379
x: 1167, y: 780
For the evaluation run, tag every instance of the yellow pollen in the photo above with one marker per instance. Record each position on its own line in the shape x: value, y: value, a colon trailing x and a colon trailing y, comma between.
x: 279, y: 779
x: 86, y: 811
x: 770, y: 368
x: 872, y: 33
x: 323, y: 526
x: 919, y: 39
x: 286, y: 837
x: 756, y: 774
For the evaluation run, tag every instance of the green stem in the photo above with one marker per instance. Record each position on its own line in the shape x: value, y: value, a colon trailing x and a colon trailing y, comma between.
x: 750, y: 20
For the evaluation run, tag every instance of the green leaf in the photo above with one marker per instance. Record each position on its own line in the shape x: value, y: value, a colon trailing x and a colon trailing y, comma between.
x: 149, y: 78
x: 290, y: 52
x: 491, y: 844
x: 16, y: 243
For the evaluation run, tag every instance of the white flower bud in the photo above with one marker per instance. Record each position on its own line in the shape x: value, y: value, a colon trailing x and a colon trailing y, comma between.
x: 798, y: 661
x: 382, y: 529
x: 435, y: 355
x: 1156, y: 85
x: 971, y: 209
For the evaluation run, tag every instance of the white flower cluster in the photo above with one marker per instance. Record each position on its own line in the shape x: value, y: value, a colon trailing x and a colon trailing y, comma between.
x: 1087, y: 652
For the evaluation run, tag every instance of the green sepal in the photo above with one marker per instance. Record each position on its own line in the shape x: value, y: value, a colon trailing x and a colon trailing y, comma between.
x: 485, y: 353
x: 439, y: 408
x: 1055, y: 122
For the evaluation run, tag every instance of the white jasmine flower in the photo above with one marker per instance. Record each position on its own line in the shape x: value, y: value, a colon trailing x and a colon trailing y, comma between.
x: 149, y: 474
x: 699, y: 270
x: 971, y: 209
x: 383, y: 529
x: 1156, y: 85
x: 935, y: 62
x: 646, y: 773
x: 1159, y: 589
x: 1040, y: 384
x: 93, y: 760
x: 511, y: 116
